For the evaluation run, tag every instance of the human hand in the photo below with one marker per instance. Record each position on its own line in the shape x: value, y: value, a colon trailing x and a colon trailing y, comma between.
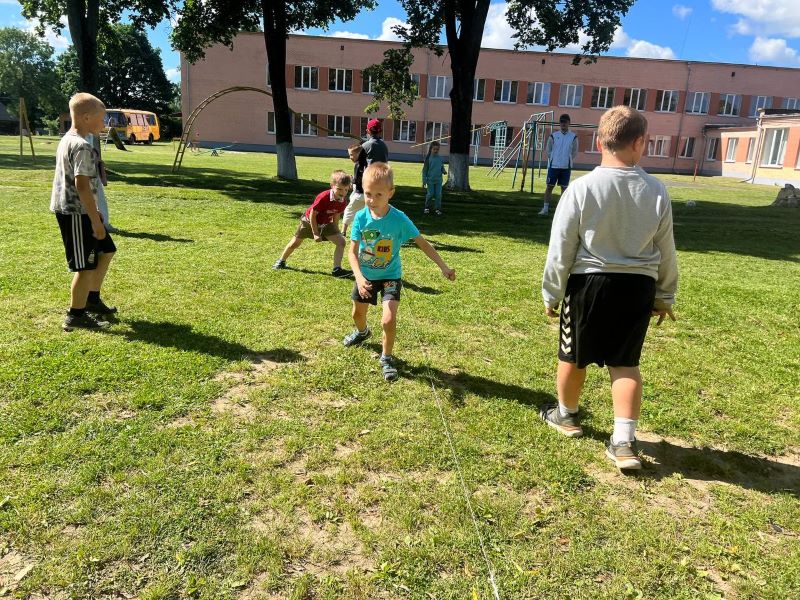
x: 449, y: 273
x: 98, y: 229
x: 662, y: 313
x: 318, y: 238
x: 552, y: 312
x: 364, y: 287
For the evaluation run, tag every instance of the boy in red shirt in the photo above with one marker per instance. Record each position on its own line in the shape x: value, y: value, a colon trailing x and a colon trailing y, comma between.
x: 321, y: 222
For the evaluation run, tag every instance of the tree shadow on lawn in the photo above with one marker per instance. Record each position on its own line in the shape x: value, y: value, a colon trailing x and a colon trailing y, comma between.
x: 155, y: 237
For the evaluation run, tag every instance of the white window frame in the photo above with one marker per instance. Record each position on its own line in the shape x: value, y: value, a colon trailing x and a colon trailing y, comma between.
x: 692, y: 103
x: 540, y: 90
x: 339, y: 122
x: 301, y: 128
x: 593, y: 145
x: 309, y: 73
x: 370, y: 85
x: 658, y: 146
x: 730, y: 149
x: 439, y: 86
x: 269, y: 80
x: 641, y: 98
x: 684, y: 145
x: 435, y: 130
x: 751, y: 150
x: 564, y: 95
x: 340, y: 83
x: 791, y: 103
x: 711, y: 149
x: 270, y: 116
x: 730, y: 105
x: 404, y: 131
x: 604, y: 93
x: 775, y: 147
x: 479, y: 84
x: 668, y: 98
x: 757, y: 102
x: 507, y: 88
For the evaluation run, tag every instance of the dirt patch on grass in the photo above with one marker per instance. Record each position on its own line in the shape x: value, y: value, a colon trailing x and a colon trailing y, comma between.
x: 256, y: 591
x: 332, y: 548
x: 180, y: 422
x: 14, y: 567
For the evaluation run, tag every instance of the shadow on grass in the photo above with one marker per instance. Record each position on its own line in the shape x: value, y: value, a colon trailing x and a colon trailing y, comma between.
x: 155, y: 237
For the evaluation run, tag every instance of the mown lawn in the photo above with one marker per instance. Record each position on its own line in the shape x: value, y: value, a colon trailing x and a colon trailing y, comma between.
x: 218, y: 441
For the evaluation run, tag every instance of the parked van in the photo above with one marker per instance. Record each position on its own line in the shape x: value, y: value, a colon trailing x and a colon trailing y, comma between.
x: 134, y: 125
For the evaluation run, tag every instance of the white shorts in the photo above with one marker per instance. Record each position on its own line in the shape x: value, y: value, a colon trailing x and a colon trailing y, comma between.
x: 355, y: 205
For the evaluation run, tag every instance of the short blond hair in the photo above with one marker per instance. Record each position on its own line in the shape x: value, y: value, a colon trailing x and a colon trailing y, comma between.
x: 85, y: 104
x: 339, y: 177
x: 379, y: 171
x: 620, y: 127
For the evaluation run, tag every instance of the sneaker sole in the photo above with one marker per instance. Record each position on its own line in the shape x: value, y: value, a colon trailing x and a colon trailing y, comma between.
x: 357, y: 342
x: 627, y: 464
x: 572, y: 433
x: 391, y: 377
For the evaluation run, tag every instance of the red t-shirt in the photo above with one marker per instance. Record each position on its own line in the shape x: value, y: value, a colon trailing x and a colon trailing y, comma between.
x: 326, y: 206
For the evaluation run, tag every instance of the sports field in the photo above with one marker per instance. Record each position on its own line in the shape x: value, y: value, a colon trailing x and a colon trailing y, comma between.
x: 219, y: 442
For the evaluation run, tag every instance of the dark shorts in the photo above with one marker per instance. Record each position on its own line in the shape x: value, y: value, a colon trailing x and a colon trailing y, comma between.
x: 389, y: 289
x: 325, y: 230
x: 81, y: 247
x: 604, y: 319
x: 558, y: 177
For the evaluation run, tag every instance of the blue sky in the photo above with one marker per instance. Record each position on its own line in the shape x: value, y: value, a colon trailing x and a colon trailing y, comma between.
x: 765, y: 32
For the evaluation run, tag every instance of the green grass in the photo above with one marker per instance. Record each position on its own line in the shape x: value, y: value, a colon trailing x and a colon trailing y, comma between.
x: 163, y: 460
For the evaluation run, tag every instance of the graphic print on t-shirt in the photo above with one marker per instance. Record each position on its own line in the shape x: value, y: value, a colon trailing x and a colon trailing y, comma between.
x: 377, y: 251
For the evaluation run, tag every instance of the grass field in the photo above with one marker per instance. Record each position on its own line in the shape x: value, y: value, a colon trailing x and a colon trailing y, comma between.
x: 218, y: 441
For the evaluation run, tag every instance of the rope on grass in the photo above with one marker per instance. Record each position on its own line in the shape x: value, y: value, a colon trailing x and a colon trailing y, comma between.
x: 459, y: 470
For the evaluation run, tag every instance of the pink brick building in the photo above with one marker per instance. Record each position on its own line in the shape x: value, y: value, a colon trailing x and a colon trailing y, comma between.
x: 679, y: 98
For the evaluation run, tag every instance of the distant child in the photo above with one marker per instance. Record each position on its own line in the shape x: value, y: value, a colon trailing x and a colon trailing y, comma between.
x: 561, y: 148
x: 88, y: 246
x: 320, y: 222
x: 359, y: 158
x: 432, y: 172
x: 375, y: 148
x: 612, y: 262
x: 375, y: 239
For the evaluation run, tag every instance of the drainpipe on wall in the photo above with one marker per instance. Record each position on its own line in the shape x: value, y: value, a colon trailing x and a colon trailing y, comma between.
x: 683, y: 112
x: 705, y: 151
x: 758, y: 152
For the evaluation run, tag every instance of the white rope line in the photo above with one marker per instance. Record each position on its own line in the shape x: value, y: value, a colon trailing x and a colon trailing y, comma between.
x: 449, y: 435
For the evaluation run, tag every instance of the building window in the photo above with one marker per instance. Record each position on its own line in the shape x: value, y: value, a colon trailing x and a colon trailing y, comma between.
x: 730, y: 105
x: 711, y: 149
x: 775, y: 147
x: 539, y: 93
x: 304, y: 127
x: 593, y: 146
x: 791, y: 103
x: 271, y: 122
x: 437, y: 131
x: 636, y: 98
x: 687, y: 148
x: 476, y: 135
x: 479, y: 90
x: 405, y: 131
x: 306, y: 78
x: 367, y: 84
x: 730, y: 155
x: 658, y: 145
x: 602, y: 97
x: 339, y: 126
x: 666, y: 100
x: 697, y: 103
x: 340, y: 80
x: 509, y: 137
x: 505, y: 90
x: 570, y: 95
x: 757, y: 102
x: 439, y: 86
x: 269, y: 79
x: 751, y: 148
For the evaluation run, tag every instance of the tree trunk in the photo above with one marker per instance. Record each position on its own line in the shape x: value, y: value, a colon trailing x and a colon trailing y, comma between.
x: 82, y: 16
x: 275, y: 33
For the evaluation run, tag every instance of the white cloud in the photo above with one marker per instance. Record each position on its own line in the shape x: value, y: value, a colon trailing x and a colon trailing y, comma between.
x: 173, y: 75
x: 387, y: 29
x: 681, y: 11
x: 763, y: 17
x: 349, y: 34
x: 774, y: 51
x: 497, y: 33
x: 58, y: 42
x: 621, y: 39
x: 643, y: 49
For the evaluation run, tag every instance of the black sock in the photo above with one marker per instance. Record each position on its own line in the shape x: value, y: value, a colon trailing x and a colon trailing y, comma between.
x: 77, y: 312
x: 94, y: 297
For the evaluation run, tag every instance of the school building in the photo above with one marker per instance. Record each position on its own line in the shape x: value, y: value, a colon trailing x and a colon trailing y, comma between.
x: 687, y: 103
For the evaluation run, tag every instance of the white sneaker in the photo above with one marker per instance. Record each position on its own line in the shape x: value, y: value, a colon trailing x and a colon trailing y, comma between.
x: 544, y: 211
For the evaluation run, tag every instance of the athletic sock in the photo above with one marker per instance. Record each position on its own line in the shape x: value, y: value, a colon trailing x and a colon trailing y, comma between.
x: 94, y: 297
x: 563, y: 411
x: 77, y: 312
x: 624, y: 430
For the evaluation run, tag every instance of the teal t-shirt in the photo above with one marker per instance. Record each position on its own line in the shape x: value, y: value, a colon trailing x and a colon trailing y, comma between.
x: 380, y: 241
x: 433, y: 169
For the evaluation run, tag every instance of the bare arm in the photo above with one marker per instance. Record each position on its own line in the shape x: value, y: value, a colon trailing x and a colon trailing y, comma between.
x: 431, y: 253
x: 364, y: 288
x: 312, y: 218
x: 84, y: 186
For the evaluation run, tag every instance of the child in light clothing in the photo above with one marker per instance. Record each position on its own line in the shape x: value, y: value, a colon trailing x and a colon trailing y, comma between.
x: 611, y: 265
x: 432, y: 172
x: 359, y: 158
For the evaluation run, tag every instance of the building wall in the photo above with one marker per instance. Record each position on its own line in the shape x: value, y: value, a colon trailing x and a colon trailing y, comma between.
x: 788, y: 171
x: 242, y: 117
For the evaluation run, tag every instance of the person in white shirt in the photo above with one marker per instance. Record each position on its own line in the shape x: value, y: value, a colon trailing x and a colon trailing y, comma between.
x: 562, y: 148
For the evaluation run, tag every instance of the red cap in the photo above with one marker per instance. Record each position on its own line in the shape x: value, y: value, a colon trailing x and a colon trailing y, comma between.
x: 374, y: 125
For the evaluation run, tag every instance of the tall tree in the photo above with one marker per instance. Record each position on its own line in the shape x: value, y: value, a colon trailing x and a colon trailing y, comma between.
x: 27, y: 70
x: 207, y: 22
x: 551, y: 24
x: 84, y: 20
x: 130, y: 71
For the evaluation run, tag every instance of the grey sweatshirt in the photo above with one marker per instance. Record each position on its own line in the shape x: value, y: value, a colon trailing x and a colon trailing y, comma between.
x: 613, y: 220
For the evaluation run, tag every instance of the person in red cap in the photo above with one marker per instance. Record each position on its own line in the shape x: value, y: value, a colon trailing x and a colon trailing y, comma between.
x: 375, y: 148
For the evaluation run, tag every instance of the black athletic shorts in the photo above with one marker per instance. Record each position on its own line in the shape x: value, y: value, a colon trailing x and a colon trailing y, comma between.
x: 389, y: 289
x: 604, y: 319
x: 81, y: 247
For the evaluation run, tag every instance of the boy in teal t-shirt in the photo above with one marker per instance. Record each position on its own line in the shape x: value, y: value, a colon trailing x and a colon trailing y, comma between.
x: 377, y: 233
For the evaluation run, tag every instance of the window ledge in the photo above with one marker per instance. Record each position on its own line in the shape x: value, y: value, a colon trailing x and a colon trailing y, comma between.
x: 341, y: 91
x: 771, y: 167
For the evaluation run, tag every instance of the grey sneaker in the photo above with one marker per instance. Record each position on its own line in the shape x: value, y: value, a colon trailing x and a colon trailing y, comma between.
x: 569, y: 426
x: 389, y: 370
x: 544, y: 212
x: 279, y: 264
x: 624, y: 455
x: 84, y: 321
x: 356, y: 337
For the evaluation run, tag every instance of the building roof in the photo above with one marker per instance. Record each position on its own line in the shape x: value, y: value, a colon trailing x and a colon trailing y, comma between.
x: 5, y: 117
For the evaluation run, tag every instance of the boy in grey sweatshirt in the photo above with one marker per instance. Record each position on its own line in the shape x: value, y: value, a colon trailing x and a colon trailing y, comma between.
x: 611, y: 265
